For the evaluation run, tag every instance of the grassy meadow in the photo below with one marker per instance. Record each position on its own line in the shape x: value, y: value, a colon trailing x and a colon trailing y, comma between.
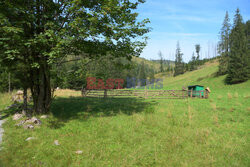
x: 138, y: 132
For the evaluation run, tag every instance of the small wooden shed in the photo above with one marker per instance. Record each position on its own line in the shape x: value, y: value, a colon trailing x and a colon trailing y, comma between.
x: 196, y: 91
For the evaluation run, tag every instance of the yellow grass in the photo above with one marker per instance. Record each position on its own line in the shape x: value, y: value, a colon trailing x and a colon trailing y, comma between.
x: 67, y: 93
x: 229, y: 95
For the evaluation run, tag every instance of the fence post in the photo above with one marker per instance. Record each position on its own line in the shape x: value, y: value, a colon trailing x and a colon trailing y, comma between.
x: 191, y: 93
x: 206, y: 94
x: 105, y: 93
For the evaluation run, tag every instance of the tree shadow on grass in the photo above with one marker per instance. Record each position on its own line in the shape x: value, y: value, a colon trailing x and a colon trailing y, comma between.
x: 9, y: 111
x: 81, y: 108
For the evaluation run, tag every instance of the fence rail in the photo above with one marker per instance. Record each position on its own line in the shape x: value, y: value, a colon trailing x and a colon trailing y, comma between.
x: 147, y: 94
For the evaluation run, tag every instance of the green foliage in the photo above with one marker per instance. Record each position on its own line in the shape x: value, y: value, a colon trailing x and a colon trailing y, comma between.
x: 234, y: 50
x: 224, y: 46
x: 238, y: 68
x: 197, y: 50
x: 179, y: 64
x: 36, y: 34
x: 73, y: 75
x: 4, y: 77
x: 152, y: 76
x: 248, y: 46
x: 8, y: 80
x: 161, y: 62
x: 193, y: 64
x: 142, y: 75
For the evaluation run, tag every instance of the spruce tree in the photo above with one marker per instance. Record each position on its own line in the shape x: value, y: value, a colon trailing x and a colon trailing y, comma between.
x: 238, y: 59
x: 248, y: 45
x: 197, y: 50
x: 161, y: 62
x: 224, y: 46
x: 179, y: 65
x: 193, y: 63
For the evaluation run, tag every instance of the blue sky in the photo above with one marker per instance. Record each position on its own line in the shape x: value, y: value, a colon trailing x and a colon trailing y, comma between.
x: 188, y: 21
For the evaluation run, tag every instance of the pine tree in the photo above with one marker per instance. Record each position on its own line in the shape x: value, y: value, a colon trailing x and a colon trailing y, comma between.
x: 197, y: 50
x: 224, y: 46
x: 193, y: 63
x: 248, y: 45
x: 238, y: 59
x: 161, y: 62
x: 179, y: 65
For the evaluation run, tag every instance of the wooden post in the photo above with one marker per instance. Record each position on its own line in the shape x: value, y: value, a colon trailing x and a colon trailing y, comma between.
x: 207, y: 93
x: 191, y: 93
x: 105, y: 93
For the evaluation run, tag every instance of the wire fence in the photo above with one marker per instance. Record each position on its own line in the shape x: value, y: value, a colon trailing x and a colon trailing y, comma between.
x: 147, y: 94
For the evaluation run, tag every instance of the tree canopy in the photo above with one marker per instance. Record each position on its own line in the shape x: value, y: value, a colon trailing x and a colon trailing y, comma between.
x: 34, y: 35
x: 238, y: 66
x: 179, y: 64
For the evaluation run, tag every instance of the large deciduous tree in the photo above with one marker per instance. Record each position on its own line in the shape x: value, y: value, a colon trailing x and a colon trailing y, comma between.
x: 34, y: 34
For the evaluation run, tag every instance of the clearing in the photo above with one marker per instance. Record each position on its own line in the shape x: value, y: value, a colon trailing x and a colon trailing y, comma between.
x: 138, y: 132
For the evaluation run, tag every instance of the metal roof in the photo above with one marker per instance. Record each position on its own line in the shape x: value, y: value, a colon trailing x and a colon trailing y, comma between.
x: 195, y: 86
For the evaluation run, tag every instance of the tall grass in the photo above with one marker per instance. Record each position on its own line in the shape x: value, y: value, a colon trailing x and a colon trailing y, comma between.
x: 138, y: 132
x: 5, y: 100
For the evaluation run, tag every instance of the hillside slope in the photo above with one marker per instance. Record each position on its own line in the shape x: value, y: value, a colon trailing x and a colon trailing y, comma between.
x: 206, y: 76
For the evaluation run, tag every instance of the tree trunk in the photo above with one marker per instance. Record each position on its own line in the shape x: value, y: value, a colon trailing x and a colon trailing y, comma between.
x: 25, y: 103
x: 41, y: 90
x: 9, y: 82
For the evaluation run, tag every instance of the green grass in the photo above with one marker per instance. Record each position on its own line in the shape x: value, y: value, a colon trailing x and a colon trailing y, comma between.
x: 137, y: 132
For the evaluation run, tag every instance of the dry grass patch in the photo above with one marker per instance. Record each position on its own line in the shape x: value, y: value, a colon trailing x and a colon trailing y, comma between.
x: 220, y: 97
x: 5, y: 99
x: 190, y: 114
x: 232, y: 109
x: 169, y: 114
x: 139, y: 118
x: 229, y: 95
x: 213, y: 106
x: 236, y: 95
x: 161, y: 110
x: 216, y: 120
x: 247, y: 96
x: 238, y: 104
x: 67, y: 93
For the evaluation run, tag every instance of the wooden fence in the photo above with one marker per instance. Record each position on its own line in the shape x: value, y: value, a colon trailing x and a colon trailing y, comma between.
x: 147, y: 94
